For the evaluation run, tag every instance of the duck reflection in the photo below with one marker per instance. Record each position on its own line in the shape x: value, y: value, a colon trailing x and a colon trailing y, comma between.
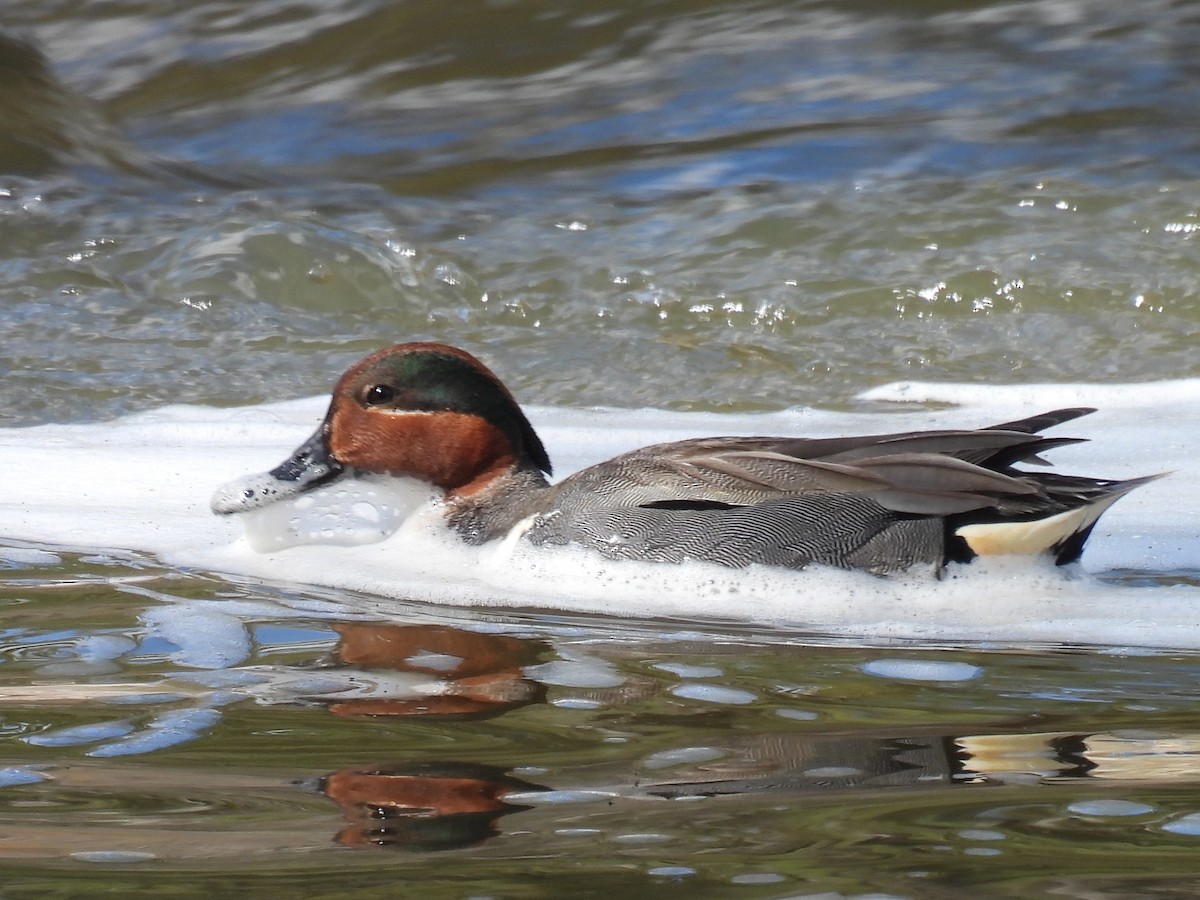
x: 423, y: 806
x: 808, y: 762
x: 824, y: 762
x: 472, y: 674
x: 431, y: 805
x: 438, y: 670
x: 1130, y: 757
x: 441, y: 806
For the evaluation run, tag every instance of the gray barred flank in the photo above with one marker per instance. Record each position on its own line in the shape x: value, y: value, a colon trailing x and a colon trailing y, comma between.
x: 829, y: 529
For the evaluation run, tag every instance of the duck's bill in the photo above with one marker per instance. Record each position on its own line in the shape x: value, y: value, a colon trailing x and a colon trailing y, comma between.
x: 310, y: 466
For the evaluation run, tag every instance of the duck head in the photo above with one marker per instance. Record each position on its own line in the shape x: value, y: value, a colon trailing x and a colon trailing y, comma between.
x: 419, y: 410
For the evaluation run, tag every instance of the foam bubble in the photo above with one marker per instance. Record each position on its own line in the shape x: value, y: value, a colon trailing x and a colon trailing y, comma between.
x: 576, y: 671
x: 558, y: 797
x: 1110, y: 808
x: 28, y: 557
x: 713, y: 693
x: 922, y: 670
x: 982, y: 834
x: 683, y: 670
x: 166, y: 730
x: 1187, y: 825
x: 208, y: 637
x: 348, y: 512
x: 671, y: 871
x: 80, y: 734
x: 757, y: 878
x: 800, y: 715
x: 681, y: 755
x: 833, y: 772
x: 11, y: 776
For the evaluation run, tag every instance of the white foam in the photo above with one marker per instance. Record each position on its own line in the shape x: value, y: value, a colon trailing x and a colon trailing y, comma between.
x: 176, y: 726
x: 88, y: 733
x: 922, y: 670
x: 1028, y: 396
x: 362, y: 510
x: 143, y: 483
x: 1105, y: 807
x: 713, y: 693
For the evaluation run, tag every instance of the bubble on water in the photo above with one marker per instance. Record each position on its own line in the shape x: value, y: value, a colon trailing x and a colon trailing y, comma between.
x: 758, y: 878
x: 80, y: 734
x: 207, y: 636
x: 10, y: 776
x: 652, y: 837
x: 800, y: 715
x: 683, y: 670
x: 981, y: 834
x: 556, y: 797
x: 712, y: 693
x: 576, y: 703
x: 665, y: 758
x: 577, y: 672
x: 166, y: 730
x: 97, y: 647
x: 439, y: 662
x: 1188, y: 825
x: 672, y: 871
x: 22, y: 557
x: 1110, y: 808
x: 922, y: 670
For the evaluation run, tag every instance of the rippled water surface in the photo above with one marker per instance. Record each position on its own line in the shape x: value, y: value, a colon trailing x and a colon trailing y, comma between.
x: 712, y: 206
x: 746, y: 204
x: 528, y: 755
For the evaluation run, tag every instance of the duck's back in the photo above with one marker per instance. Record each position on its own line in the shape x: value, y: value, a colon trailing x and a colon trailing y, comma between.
x: 881, y: 503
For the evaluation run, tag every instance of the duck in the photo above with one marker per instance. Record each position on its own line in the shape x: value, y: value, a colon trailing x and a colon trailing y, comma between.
x: 882, y: 503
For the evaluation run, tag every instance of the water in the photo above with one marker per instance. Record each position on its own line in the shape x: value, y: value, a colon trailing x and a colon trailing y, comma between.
x: 710, y: 210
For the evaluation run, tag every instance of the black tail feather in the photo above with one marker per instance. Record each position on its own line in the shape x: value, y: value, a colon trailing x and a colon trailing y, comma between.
x: 1042, y: 421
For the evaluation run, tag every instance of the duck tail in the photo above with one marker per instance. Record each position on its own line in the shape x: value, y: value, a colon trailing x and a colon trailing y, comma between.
x: 1060, y: 531
x: 1042, y: 421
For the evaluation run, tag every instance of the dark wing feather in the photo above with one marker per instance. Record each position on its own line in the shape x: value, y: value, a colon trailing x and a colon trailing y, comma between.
x: 876, y: 502
x: 921, y: 473
x: 1045, y: 420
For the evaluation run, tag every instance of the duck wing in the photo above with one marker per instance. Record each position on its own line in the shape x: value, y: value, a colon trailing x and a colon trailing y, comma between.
x: 879, y: 502
x: 935, y: 473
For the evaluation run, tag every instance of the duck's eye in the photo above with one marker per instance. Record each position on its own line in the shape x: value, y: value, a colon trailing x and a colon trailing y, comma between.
x: 379, y: 394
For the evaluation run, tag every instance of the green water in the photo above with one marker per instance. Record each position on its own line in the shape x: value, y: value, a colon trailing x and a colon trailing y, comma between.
x: 644, y: 757
x: 728, y: 205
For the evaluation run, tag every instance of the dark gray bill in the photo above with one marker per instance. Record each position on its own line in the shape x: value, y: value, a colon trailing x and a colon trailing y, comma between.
x: 310, y: 466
